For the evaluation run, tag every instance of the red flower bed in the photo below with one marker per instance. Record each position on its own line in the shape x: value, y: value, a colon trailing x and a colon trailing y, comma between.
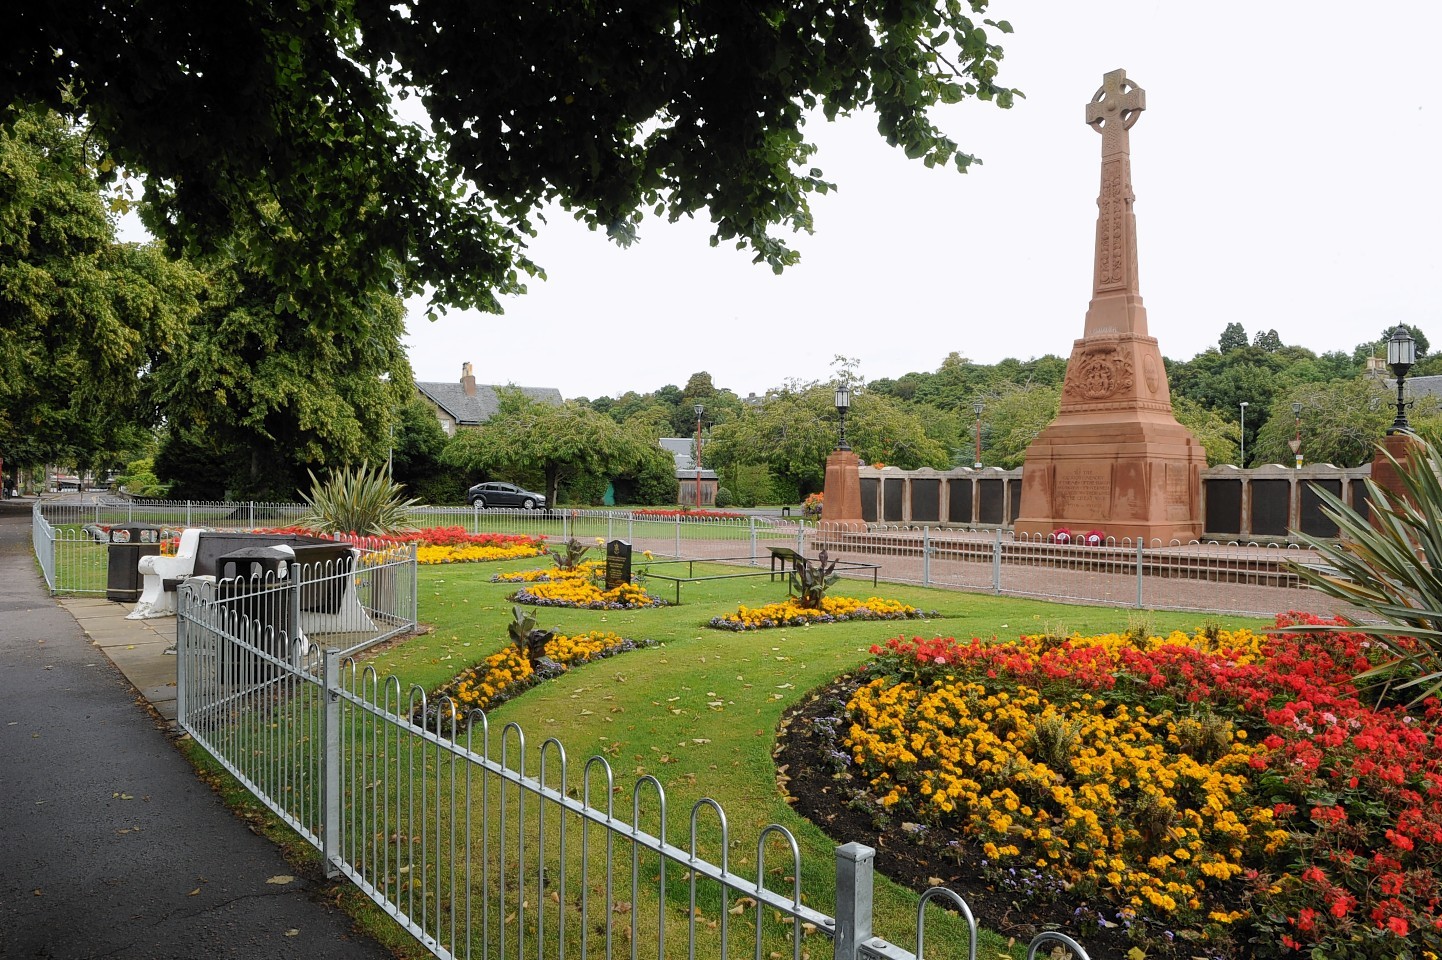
x: 690, y: 514
x: 430, y: 537
x: 1353, y: 866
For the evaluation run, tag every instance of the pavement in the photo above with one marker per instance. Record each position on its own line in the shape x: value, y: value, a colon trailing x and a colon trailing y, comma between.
x: 110, y: 845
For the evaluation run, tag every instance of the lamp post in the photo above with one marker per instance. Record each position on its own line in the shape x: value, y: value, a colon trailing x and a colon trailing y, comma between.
x: 1401, y: 354
x: 700, y: 409
x: 843, y: 403
x: 1243, y: 456
x: 976, y: 408
x: 1297, y: 440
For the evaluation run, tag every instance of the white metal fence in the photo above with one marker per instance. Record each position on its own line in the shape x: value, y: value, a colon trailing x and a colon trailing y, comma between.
x: 479, y: 846
x: 1239, y: 578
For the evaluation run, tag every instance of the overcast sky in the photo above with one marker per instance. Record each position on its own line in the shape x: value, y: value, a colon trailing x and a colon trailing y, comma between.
x: 1286, y: 172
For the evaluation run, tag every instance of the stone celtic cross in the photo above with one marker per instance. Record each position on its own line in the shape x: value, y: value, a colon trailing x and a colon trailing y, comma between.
x: 1113, y: 110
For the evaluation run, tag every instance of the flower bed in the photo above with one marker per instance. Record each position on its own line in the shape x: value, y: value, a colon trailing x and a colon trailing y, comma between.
x: 585, y: 594
x: 790, y: 613
x: 1223, y: 794
x: 507, y: 673
x: 690, y: 514
x: 444, y: 544
x: 589, y: 570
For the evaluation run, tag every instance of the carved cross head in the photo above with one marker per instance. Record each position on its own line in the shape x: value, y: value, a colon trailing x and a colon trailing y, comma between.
x: 1117, y: 105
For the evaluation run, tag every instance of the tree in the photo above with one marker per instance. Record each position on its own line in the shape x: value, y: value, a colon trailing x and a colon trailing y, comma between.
x: 1014, y: 417
x: 527, y: 442
x: 1234, y: 336
x: 1341, y: 422
x: 675, y: 109
x: 86, y: 319
x: 1267, y: 341
x: 1217, y: 434
x: 270, y: 391
x: 416, y: 446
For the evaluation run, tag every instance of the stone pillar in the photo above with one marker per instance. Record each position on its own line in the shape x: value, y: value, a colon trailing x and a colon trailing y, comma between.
x: 1115, y: 459
x: 842, y: 501
x: 1384, y: 474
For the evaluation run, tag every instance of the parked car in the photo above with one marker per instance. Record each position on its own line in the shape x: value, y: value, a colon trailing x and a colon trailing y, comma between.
x: 504, y: 495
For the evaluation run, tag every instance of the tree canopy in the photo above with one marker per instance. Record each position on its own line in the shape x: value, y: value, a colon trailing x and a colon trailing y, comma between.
x: 607, y: 109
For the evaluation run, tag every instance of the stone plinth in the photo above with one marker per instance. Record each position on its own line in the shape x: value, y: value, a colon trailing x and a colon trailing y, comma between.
x: 842, y: 500
x: 1384, y: 473
x: 1115, y: 459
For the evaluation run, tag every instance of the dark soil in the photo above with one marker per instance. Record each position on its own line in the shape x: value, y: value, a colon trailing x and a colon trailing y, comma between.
x: 813, y: 773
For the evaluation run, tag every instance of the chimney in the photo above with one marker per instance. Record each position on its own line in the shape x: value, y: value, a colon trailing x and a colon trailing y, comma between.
x: 468, y: 380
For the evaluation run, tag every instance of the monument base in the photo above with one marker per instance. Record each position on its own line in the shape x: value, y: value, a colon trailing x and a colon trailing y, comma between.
x: 842, y: 501
x: 1131, y: 480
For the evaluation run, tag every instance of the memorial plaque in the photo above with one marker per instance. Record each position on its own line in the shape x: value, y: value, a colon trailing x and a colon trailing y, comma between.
x: 869, y: 487
x: 992, y: 494
x: 1224, y: 506
x: 958, y: 501
x: 1270, y: 507
x: 618, y: 564
x: 1313, y: 521
x: 925, y: 500
x: 1083, y: 490
x: 1013, y: 490
x: 893, y: 490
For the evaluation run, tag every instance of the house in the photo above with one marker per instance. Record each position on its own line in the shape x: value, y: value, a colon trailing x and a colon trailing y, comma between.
x: 683, y: 448
x: 470, y: 404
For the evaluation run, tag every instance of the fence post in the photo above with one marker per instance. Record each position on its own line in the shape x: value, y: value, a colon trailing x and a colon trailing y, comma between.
x: 330, y: 764
x: 252, y: 514
x: 855, y: 867
x: 610, y: 535
x: 415, y: 583
x: 631, y: 527
x: 996, y: 563
x: 129, y: 511
x: 926, y: 556
x: 187, y: 514
x: 753, y: 541
x: 182, y: 654
x: 1141, y: 543
x: 678, y: 536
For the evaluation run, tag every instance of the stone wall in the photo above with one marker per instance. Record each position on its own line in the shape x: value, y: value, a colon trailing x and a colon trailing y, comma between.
x: 1258, y: 504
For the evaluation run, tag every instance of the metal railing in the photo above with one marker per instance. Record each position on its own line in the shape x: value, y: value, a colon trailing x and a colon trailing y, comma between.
x: 478, y: 846
x: 1239, y: 578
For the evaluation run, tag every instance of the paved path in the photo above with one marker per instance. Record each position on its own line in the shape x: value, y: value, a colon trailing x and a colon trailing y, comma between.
x: 109, y: 844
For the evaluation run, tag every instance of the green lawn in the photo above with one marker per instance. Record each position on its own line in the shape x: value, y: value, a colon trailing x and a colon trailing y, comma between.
x: 700, y: 711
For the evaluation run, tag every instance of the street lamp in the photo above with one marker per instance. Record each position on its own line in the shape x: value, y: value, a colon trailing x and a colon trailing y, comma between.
x: 976, y: 408
x: 1401, y: 354
x: 1297, y: 440
x: 700, y: 409
x: 843, y: 403
x: 1243, y: 456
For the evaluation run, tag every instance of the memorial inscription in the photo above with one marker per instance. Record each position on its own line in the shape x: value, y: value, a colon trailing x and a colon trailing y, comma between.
x: 618, y: 564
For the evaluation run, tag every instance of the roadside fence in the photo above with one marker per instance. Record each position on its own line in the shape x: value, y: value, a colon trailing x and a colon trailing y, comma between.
x: 477, y: 844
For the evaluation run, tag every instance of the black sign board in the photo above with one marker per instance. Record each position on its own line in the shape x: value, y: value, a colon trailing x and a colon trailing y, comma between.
x: 618, y: 564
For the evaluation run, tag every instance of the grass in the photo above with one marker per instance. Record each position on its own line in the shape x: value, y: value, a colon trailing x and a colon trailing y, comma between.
x: 700, y: 711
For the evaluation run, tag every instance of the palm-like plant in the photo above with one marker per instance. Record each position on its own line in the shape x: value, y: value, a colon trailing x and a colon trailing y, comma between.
x: 1389, y: 568
x: 361, y: 500
x: 812, y: 578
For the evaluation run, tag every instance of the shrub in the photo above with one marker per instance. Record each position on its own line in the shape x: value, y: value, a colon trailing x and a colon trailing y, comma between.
x: 362, y: 501
x: 724, y: 498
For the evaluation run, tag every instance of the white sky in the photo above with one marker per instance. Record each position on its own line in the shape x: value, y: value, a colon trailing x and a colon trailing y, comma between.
x: 1286, y: 173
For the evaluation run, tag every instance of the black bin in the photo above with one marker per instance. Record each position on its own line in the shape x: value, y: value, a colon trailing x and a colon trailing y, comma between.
x: 253, y: 586
x: 325, y: 569
x: 128, y: 543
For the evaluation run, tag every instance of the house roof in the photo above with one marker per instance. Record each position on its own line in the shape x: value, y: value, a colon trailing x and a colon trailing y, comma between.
x: 469, y: 410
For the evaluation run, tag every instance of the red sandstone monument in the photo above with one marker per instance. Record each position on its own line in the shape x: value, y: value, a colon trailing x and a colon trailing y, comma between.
x: 1115, y: 459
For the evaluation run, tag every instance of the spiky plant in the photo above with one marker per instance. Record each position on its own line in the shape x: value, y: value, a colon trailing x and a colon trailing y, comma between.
x: 812, y: 578
x: 360, y: 500
x: 1388, y: 566
x: 528, y: 638
x: 574, y: 554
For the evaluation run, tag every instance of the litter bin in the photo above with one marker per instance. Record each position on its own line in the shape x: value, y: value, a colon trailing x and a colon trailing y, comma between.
x: 253, y: 586
x: 127, y: 544
x: 324, y: 571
